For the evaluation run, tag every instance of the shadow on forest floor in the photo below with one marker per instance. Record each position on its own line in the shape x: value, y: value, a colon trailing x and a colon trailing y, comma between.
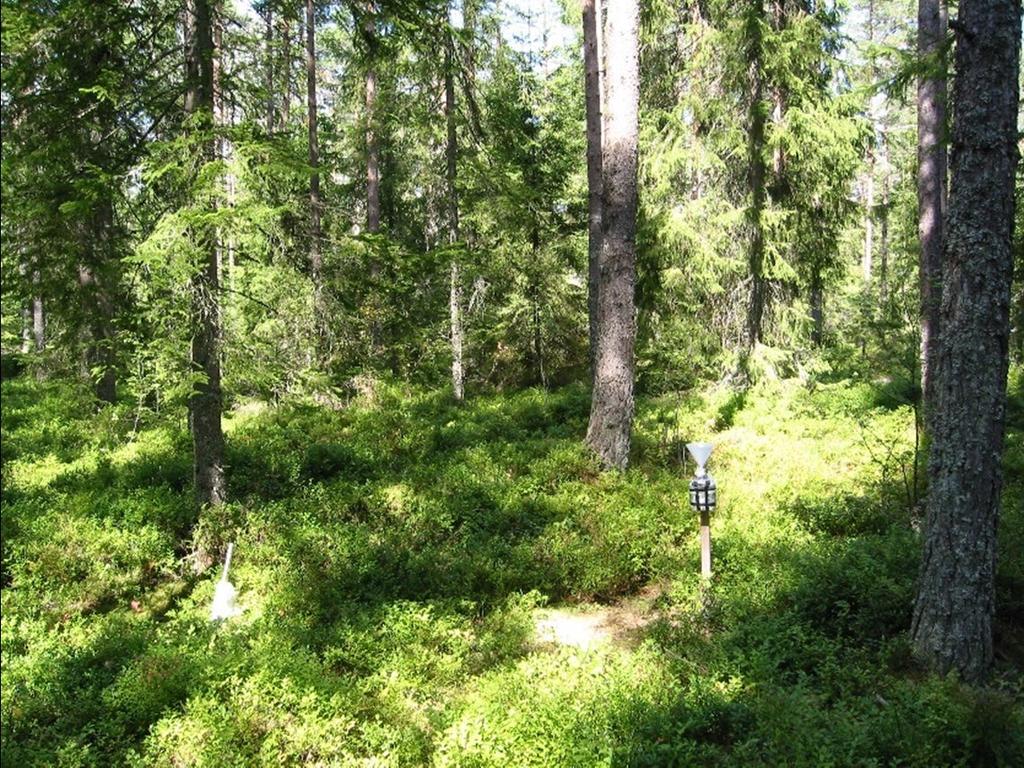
x: 403, y: 550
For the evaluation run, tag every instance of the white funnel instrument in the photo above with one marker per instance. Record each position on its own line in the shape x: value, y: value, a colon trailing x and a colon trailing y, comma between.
x: 224, y: 594
x: 700, y: 452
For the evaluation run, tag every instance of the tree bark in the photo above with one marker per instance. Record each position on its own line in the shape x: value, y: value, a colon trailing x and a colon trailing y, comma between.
x: 883, y: 219
x: 952, y: 624
x: 268, y: 42
x: 867, y: 258
x: 286, y: 66
x: 817, y: 309
x: 205, y: 402
x: 451, y: 172
x: 592, y: 89
x: 373, y: 208
x: 611, y: 408
x: 931, y: 190
x: 98, y: 302
x: 33, y: 316
x: 315, y: 233
x: 756, y: 173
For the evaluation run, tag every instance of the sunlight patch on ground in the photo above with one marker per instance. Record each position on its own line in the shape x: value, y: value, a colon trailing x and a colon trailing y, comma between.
x: 588, y: 627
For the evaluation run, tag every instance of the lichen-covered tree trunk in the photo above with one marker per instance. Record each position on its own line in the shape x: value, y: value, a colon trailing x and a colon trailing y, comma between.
x: 205, y: 401
x: 33, y: 329
x: 931, y: 188
x: 611, y: 407
x: 952, y: 625
x: 592, y: 90
x: 451, y: 173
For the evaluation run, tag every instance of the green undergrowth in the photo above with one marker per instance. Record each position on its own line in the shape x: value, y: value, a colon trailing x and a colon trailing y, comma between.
x: 391, y: 556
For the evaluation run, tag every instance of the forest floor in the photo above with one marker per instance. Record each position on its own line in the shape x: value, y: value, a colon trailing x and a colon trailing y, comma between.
x: 430, y: 584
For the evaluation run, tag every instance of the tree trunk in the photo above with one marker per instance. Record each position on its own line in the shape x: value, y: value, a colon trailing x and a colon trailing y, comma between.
x: 38, y: 324
x: 867, y: 259
x: 451, y: 168
x: 98, y: 302
x: 33, y: 318
x: 592, y: 88
x: 286, y: 66
x: 373, y: 208
x: 883, y: 219
x: 817, y: 309
x: 205, y: 400
x: 931, y: 190
x: 611, y: 408
x: 315, y: 257
x: 535, y: 354
x: 952, y: 625
x: 268, y: 43
x: 756, y: 173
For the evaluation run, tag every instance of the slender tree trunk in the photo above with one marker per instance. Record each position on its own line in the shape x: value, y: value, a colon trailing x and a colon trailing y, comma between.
x: 26, y: 326
x: 451, y: 158
x: 268, y: 45
x: 38, y: 322
x: 373, y: 207
x: 286, y: 66
x: 817, y: 309
x: 611, y: 408
x: 883, y: 219
x: 205, y: 403
x: 756, y: 174
x: 33, y: 317
x: 535, y: 354
x: 99, y: 303
x: 931, y: 190
x: 372, y: 155
x: 867, y: 258
x: 952, y: 625
x: 315, y: 234
x: 592, y: 89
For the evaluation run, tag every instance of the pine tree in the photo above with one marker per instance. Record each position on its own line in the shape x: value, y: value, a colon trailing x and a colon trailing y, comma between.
x: 611, y: 408
x: 952, y: 624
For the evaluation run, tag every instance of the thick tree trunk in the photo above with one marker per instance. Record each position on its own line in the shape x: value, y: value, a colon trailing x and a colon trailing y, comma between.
x: 592, y: 89
x: 952, y: 626
x: 756, y: 175
x: 611, y: 408
x: 451, y: 172
x: 931, y: 190
x: 205, y: 402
